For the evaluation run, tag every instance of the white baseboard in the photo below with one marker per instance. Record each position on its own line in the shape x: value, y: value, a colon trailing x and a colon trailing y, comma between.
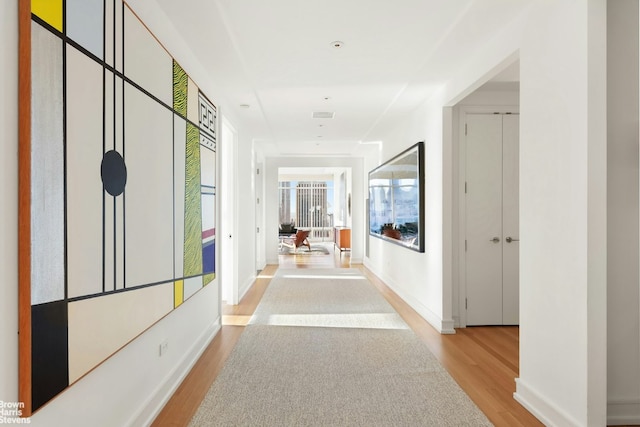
x: 448, y: 326
x: 245, y: 287
x: 622, y: 411
x: 150, y: 409
x: 456, y: 322
x: 543, y: 409
x: 443, y: 326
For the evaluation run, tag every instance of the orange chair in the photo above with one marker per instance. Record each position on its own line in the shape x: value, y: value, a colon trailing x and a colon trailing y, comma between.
x: 393, y: 233
x: 299, y: 239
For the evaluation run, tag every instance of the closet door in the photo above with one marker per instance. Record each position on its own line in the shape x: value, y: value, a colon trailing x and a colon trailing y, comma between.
x: 484, y: 219
x: 492, y: 256
x: 510, y: 220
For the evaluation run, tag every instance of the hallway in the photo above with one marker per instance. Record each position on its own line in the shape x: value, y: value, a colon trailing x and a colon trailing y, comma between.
x: 483, y: 360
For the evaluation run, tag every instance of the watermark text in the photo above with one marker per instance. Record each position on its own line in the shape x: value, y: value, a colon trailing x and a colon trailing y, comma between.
x: 11, y: 413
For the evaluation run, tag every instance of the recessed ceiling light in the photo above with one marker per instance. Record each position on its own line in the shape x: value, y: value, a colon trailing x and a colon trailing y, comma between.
x: 323, y: 114
x: 326, y: 98
x: 319, y: 136
x: 337, y: 44
x: 320, y: 126
x: 245, y: 106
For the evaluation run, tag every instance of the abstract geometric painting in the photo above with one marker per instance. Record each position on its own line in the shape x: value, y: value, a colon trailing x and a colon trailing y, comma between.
x: 118, y: 188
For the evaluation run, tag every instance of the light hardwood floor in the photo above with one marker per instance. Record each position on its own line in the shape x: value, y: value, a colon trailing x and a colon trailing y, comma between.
x: 483, y: 360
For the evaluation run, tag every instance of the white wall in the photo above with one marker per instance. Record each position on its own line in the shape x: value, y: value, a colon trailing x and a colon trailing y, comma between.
x: 271, y: 199
x: 9, y: 197
x: 623, y: 316
x: 509, y: 95
x: 563, y: 205
x: 425, y: 281
x: 563, y: 214
x: 417, y: 277
x: 246, y: 212
x: 349, y: 200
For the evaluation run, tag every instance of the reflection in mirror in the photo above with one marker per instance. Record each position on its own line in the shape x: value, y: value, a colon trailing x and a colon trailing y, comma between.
x: 396, y: 195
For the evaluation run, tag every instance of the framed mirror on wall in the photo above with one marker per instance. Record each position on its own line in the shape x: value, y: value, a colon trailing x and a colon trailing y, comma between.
x: 396, y: 199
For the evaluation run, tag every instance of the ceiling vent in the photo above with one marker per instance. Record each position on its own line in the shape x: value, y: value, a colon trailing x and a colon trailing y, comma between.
x: 323, y: 115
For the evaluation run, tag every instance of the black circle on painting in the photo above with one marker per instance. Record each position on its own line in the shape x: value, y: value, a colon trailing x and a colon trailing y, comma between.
x: 113, y: 172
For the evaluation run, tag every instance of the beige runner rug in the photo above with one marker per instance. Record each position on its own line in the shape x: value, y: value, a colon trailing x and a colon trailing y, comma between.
x: 324, y: 348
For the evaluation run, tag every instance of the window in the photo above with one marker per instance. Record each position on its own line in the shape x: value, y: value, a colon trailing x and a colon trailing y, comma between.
x: 307, y: 205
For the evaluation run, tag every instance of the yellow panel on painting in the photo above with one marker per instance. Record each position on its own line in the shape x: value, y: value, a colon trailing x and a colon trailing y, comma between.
x: 49, y: 11
x: 178, y: 293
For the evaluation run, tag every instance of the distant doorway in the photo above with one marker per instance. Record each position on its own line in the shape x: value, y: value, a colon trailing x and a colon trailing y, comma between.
x: 316, y: 200
x: 307, y: 205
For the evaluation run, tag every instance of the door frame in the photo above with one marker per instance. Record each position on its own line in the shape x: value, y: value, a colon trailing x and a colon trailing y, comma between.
x: 463, y: 110
x: 260, y: 202
x: 228, y: 224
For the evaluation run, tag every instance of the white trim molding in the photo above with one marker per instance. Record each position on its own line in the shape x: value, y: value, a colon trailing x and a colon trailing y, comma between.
x: 544, y: 410
x: 622, y: 411
x: 246, y: 286
x: 443, y: 326
x: 150, y: 408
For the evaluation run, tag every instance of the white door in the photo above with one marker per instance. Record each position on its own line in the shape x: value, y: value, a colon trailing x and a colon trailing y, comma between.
x: 510, y: 220
x: 491, y: 219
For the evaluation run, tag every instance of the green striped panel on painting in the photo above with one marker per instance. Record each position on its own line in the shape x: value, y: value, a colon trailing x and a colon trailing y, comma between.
x: 208, y: 278
x: 180, y: 83
x: 192, y: 205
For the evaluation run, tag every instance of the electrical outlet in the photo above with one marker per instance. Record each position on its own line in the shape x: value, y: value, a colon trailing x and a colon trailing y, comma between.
x: 164, y: 346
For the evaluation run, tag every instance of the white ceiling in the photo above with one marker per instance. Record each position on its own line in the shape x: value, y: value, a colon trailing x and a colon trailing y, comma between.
x: 278, y: 58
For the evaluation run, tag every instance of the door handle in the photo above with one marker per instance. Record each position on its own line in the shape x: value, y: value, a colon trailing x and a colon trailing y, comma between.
x: 509, y: 240
x: 495, y: 240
